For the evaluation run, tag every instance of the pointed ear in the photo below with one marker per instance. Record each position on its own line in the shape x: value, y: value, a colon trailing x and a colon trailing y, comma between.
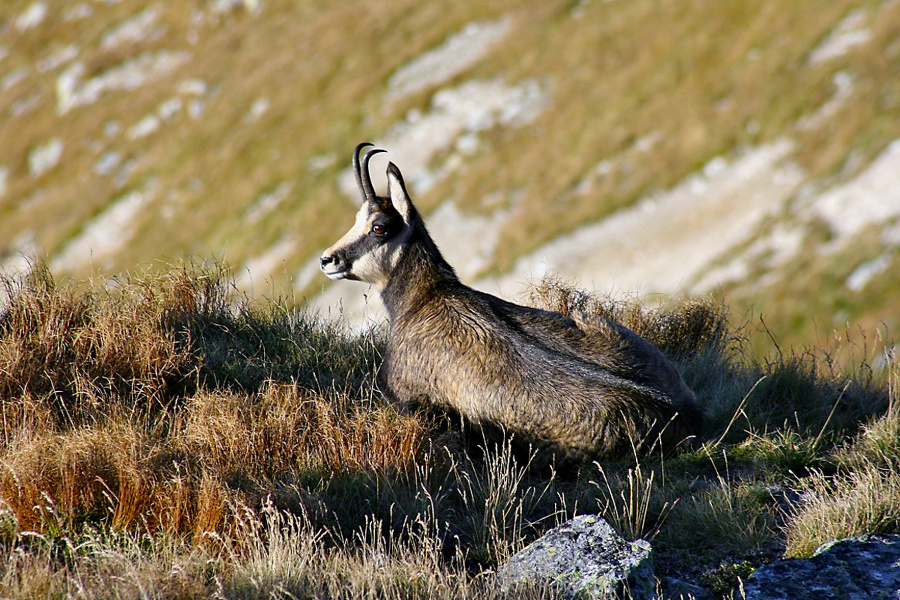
x: 397, y: 192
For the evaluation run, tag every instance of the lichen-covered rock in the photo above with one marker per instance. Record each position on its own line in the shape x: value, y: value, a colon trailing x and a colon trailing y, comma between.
x: 586, y: 558
x: 859, y: 568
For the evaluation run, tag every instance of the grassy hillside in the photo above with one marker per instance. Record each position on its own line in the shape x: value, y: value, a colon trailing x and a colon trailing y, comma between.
x: 135, y: 132
x: 170, y: 437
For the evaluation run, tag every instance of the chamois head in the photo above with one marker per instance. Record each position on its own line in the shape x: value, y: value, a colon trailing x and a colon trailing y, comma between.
x: 370, y: 250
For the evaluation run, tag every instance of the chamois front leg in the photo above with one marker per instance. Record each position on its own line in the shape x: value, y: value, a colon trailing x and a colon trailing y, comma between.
x: 401, y: 397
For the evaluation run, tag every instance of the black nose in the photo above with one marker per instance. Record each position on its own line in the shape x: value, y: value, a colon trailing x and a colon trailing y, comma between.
x: 325, y: 261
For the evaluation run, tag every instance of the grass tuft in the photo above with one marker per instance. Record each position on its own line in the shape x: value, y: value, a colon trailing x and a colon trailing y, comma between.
x: 860, y: 494
x: 685, y: 329
x: 84, y: 354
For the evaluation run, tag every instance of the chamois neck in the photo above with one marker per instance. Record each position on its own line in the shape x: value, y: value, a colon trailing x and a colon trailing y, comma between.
x: 418, y: 274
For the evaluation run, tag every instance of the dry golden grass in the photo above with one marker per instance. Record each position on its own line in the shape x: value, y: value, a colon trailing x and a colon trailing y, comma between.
x: 865, y: 500
x: 79, y: 351
x: 104, y: 420
x: 168, y: 436
x: 859, y: 492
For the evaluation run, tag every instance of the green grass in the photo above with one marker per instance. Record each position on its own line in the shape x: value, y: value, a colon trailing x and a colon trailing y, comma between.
x: 170, y: 436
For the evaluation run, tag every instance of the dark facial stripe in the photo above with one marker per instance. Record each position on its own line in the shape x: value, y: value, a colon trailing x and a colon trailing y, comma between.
x: 351, y: 252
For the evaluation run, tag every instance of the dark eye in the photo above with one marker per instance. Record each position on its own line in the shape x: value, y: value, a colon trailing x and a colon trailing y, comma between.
x: 379, y: 229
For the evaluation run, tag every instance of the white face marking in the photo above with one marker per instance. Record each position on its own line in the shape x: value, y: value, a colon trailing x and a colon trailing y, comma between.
x: 374, y: 266
x: 357, y: 231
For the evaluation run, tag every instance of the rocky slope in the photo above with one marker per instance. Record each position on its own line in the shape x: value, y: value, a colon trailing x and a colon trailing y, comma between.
x: 638, y: 148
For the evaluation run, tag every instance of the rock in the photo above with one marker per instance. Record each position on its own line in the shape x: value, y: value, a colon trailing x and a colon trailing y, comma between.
x: 72, y: 90
x: 438, y: 65
x: 137, y: 29
x: 857, y: 568
x: 32, y: 16
x: 106, y: 233
x: 678, y: 589
x: 586, y: 558
x: 44, y: 157
x: 226, y: 6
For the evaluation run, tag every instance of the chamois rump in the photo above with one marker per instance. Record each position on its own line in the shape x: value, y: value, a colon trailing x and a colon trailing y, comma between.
x: 575, y: 389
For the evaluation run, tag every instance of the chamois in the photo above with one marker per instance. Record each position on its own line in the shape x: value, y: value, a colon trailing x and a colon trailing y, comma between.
x: 581, y: 388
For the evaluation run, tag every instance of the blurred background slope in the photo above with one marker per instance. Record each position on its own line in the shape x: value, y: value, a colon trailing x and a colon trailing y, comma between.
x: 651, y: 147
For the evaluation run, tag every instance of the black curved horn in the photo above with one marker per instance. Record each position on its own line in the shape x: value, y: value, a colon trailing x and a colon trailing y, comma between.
x: 356, y: 172
x: 365, y: 181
